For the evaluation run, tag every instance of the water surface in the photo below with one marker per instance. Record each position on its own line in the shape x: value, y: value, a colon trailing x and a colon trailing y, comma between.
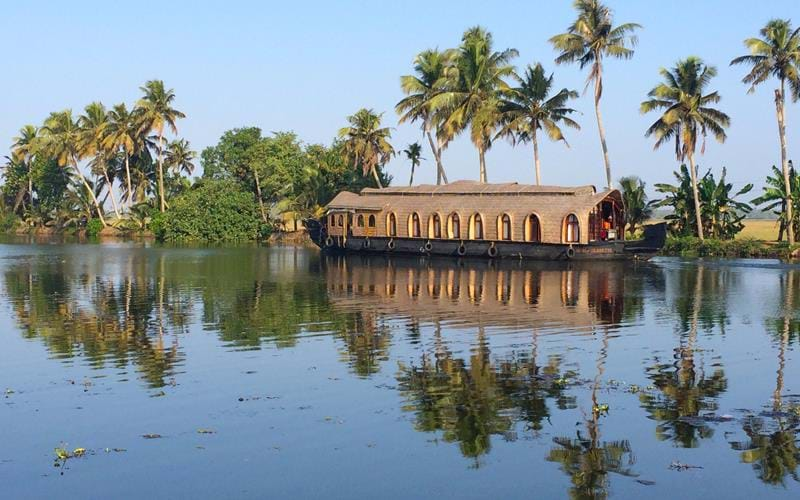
x: 278, y: 372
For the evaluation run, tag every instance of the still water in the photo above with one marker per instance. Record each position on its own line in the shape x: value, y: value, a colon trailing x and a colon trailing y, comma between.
x: 277, y: 372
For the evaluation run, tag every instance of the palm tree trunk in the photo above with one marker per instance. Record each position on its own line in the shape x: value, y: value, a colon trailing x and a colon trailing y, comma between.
x: 110, y: 186
x: 411, y: 181
x: 598, y: 86
x: 437, y: 155
x: 30, y: 184
x: 482, y: 159
x: 128, y: 177
x: 377, y: 178
x: 779, y: 104
x: 90, y: 190
x: 536, y: 158
x: 696, y: 196
x: 260, y: 200
x: 161, y: 170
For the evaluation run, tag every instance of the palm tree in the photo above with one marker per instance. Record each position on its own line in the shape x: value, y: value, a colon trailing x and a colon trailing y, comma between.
x: 366, y: 143
x: 414, y: 154
x: 24, y: 150
x: 774, y: 197
x: 93, y: 126
x: 776, y: 54
x: 430, y: 67
x: 122, y: 131
x: 588, y: 39
x: 687, y: 116
x: 470, y: 91
x: 634, y: 197
x: 157, y: 111
x: 528, y: 108
x: 180, y: 157
x: 62, y: 140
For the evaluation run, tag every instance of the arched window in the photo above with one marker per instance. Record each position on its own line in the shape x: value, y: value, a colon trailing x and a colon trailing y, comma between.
x: 360, y: 220
x: 504, y: 227
x: 371, y: 221
x: 533, y: 230
x: 413, y: 226
x: 454, y: 226
x: 341, y: 221
x: 391, y: 225
x: 572, y: 232
x: 435, y: 226
x: 476, y: 228
x: 332, y: 221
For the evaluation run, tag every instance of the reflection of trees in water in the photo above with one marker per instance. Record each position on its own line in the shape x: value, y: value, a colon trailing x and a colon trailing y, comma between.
x: 471, y: 400
x: 101, y: 319
x: 684, y: 388
x: 772, y: 446
x: 366, y: 342
x: 586, y: 458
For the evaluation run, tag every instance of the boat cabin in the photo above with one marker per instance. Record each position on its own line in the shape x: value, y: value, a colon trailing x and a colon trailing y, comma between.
x: 468, y: 210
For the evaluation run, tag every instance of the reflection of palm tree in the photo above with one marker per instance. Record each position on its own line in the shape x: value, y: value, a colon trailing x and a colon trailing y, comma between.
x: 685, y: 390
x: 772, y: 449
x: 587, y: 459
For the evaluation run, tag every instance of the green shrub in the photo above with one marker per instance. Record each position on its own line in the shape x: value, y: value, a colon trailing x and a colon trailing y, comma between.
x: 93, y: 227
x: 689, y: 246
x: 211, y: 211
x: 7, y: 222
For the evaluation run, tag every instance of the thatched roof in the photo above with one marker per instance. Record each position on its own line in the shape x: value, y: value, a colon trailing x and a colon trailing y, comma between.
x: 475, y: 187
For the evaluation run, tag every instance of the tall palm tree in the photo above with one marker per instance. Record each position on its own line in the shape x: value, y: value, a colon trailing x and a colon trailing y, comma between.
x: 23, y: 150
x: 122, y: 131
x: 179, y: 157
x: 414, y: 154
x: 470, y: 98
x: 93, y: 127
x: 430, y: 67
x: 62, y: 140
x: 366, y: 143
x: 776, y: 53
x: 590, y: 38
x: 687, y: 115
x: 157, y: 111
x: 528, y: 108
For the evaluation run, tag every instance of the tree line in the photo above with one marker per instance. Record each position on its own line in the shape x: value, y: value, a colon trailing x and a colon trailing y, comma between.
x: 471, y: 88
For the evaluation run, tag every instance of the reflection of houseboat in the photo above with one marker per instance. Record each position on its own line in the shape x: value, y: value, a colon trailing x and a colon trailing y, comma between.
x: 469, y: 219
x: 474, y: 292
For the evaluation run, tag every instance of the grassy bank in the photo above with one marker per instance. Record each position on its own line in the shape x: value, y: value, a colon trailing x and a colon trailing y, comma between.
x: 745, y: 247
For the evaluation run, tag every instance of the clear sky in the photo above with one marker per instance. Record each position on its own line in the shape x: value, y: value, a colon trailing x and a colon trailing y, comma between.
x: 304, y: 66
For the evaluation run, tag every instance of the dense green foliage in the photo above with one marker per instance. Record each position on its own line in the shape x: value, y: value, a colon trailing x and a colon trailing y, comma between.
x: 721, y: 213
x: 691, y: 246
x: 213, y: 210
x: 637, y: 208
x: 773, y: 197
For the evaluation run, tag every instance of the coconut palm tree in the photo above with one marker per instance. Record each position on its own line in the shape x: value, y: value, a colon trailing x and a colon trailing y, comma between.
x: 430, y: 67
x: 687, y: 116
x: 157, y: 111
x: 179, y: 157
x: 634, y: 197
x: 590, y: 38
x: 528, y: 108
x: 62, y: 139
x: 470, y: 95
x: 93, y: 126
x: 23, y: 151
x: 122, y: 132
x: 776, y: 54
x: 366, y: 143
x: 414, y: 154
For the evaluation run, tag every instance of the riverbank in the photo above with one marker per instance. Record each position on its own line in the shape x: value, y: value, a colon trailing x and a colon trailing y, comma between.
x: 740, y: 248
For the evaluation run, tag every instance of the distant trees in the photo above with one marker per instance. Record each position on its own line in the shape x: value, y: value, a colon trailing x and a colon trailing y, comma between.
x: 414, y: 155
x: 365, y: 143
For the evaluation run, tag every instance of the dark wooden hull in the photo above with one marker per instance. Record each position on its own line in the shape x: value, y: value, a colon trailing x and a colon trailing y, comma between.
x: 617, y: 250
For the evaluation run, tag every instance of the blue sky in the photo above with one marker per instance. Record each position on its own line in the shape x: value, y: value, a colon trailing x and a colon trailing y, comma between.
x: 305, y: 66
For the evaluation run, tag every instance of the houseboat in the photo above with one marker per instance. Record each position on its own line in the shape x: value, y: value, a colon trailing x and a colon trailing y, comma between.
x: 471, y: 219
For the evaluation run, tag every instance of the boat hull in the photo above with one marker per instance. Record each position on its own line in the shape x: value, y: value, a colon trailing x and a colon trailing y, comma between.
x: 614, y: 250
